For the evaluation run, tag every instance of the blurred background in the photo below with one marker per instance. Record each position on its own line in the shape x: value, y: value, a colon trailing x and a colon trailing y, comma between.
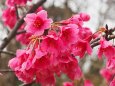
x: 102, y: 12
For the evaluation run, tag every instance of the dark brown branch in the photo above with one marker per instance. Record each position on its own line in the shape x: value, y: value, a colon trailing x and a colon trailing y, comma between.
x: 18, y: 25
x: 20, y: 32
x: 95, y: 40
x: 17, y: 15
x: 97, y: 43
x: 8, y: 52
x: 6, y: 70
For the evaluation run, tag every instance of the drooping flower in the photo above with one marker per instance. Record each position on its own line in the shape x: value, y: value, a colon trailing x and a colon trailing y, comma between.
x: 37, y: 23
x: 111, y: 63
x: 84, y: 16
x: 9, y: 17
x: 106, y: 48
x: 88, y: 83
x: 52, y: 44
x: 45, y: 77
x: 24, y: 38
x: 81, y: 47
x: 83, y: 43
x: 107, y: 74
x: 69, y: 34
x: 21, y: 67
x: 77, y: 19
x: 71, y: 69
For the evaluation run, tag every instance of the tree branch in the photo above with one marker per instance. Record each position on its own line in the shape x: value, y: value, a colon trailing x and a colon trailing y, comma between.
x: 8, y: 52
x: 20, y: 32
x: 17, y: 15
x: 97, y: 43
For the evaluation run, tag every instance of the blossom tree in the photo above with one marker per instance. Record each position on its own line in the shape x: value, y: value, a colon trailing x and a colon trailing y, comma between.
x: 52, y: 47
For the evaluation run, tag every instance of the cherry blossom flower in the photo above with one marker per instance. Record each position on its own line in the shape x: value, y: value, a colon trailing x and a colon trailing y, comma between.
x: 77, y: 19
x: 9, y: 17
x: 37, y: 23
x: 71, y: 69
x: 107, y: 74
x: 111, y: 63
x: 68, y: 84
x: 53, y: 53
x: 24, y: 38
x: 45, y: 77
x: 88, y: 83
x: 69, y: 34
x: 19, y: 65
x: 82, y: 45
x: 84, y: 16
x: 52, y: 44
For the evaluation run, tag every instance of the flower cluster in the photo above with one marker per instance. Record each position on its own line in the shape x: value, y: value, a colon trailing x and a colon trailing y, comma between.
x: 52, y: 48
x: 108, y: 50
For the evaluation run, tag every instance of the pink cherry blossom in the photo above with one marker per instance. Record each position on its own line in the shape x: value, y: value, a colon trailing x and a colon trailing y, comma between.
x: 81, y: 47
x: 85, y: 33
x: 88, y: 83
x: 52, y: 44
x: 71, y: 69
x: 53, y: 53
x: 106, y: 48
x: 37, y: 23
x: 107, y: 74
x: 9, y: 17
x: 68, y: 84
x: 39, y: 9
x: 10, y: 3
x: 69, y: 34
x: 19, y: 65
x: 112, y: 83
x: 24, y: 38
x: 45, y: 77
x: 77, y: 19
x: 111, y: 63
x: 84, y: 16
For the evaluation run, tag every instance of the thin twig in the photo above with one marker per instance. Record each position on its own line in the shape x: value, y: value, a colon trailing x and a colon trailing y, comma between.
x: 95, y: 40
x: 17, y: 14
x: 8, y: 52
x: 20, y: 32
x: 97, y: 43
x: 6, y: 70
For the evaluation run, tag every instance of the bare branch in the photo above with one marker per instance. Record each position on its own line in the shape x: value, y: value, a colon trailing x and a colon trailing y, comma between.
x: 8, y: 52
x: 20, y: 32
x: 17, y: 15
x: 6, y: 70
